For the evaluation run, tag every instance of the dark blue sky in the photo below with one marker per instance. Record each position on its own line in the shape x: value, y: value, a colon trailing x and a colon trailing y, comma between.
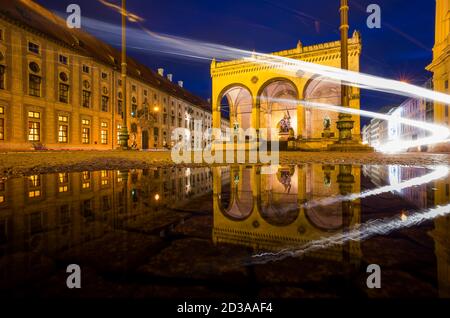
x: 400, y: 49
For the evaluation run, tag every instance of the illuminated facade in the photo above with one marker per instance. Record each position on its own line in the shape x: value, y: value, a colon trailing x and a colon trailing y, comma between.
x: 269, y: 212
x: 440, y: 65
x: 60, y: 88
x: 253, y: 95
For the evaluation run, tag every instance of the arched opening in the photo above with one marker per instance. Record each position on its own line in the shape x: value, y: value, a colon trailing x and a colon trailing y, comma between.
x: 279, y: 197
x: 326, y: 218
x: 240, y: 199
x: 321, y: 123
x: 278, y: 107
x: 236, y: 103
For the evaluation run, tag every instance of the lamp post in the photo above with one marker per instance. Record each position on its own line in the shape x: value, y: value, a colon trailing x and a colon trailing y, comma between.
x: 123, y: 134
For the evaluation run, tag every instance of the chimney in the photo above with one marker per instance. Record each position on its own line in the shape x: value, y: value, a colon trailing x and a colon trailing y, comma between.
x: 180, y: 83
x: 169, y: 77
x: 161, y: 71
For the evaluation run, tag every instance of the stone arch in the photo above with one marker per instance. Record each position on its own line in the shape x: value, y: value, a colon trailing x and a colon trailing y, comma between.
x: 239, y: 104
x: 278, y: 204
x: 273, y: 100
x: 327, y: 218
x: 318, y: 89
x: 240, y: 204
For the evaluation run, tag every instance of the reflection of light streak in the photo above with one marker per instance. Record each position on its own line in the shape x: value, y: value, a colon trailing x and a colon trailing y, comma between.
x: 437, y: 173
x: 439, y: 133
x: 358, y: 233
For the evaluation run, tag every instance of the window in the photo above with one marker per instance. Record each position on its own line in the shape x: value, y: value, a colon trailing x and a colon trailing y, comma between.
x: 119, y: 128
x: 133, y: 88
x: 86, y: 177
x: 104, y: 75
x: 145, y: 92
x: 34, y: 85
x: 86, y: 69
x: 1, y: 34
x: 104, y: 133
x: 63, y: 93
x: 63, y: 132
x: 86, y: 101
x: 105, y: 100
x: 85, y: 131
x: 34, y: 131
x: 85, y: 135
x: 133, y: 110
x: 33, y: 47
x: 446, y: 110
x: 446, y: 84
x: 2, y: 76
x: 63, y: 59
x: 63, y: 182
x: 35, y: 115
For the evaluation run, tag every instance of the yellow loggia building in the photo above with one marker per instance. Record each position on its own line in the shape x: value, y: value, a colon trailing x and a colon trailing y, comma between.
x: 263, y: 96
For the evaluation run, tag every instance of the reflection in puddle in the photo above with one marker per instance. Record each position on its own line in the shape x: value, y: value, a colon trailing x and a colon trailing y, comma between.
x: 208, y: 223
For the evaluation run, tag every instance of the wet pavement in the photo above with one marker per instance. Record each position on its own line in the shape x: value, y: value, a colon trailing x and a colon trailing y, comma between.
x: 201, y: 232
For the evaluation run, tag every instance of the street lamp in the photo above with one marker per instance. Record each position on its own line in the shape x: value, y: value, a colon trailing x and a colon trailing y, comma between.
x: 123, y: 134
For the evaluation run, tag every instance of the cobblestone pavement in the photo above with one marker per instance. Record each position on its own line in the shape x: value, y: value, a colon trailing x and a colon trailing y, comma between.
x: 24, y: 163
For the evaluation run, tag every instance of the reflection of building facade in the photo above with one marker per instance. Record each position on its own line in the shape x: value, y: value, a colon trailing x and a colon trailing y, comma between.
x: 268, y: 212
x: 61, y: 88
x: 57, y: 211
x: 257, y: 96
x: 440, y: 195
x: 392, y: 175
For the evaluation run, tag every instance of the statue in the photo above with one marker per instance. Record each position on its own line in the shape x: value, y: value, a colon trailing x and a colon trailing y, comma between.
x: 285, y: 123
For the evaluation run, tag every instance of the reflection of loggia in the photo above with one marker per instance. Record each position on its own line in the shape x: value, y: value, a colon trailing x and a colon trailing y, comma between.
x: 269, y: 211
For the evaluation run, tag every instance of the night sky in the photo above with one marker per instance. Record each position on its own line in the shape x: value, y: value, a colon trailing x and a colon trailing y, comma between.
x: 399, y: 50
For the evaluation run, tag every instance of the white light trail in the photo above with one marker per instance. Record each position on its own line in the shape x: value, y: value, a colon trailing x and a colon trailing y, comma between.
x: 358, y: 233
x: 438, y: 133
x: 147, y: 40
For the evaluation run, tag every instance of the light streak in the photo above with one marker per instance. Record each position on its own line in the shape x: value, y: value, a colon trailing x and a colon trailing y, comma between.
x: 131, y: 16
x: 146, y: 40
x: 438, y: 133
x: 358, y: 233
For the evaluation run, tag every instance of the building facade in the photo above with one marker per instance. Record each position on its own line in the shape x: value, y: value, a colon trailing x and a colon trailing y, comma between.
x: 440, y: 66
x: 379, y: 131
x: 258, y: 95
x: 61, y: 88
